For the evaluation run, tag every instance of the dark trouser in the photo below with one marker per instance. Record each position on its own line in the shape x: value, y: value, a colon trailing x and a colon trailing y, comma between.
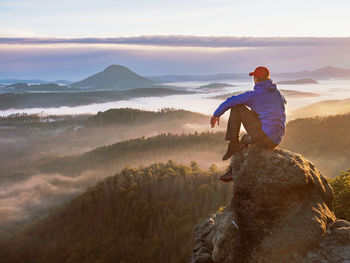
x: 241, y: 114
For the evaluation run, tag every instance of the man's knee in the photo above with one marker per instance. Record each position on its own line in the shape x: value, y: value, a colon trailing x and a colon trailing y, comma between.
x: 272, y: 146
x: 264, y: 141
x: 240, y: 107
x: 240, y: 110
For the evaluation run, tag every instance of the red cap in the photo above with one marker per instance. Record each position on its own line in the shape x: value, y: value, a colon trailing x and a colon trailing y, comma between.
x: 260, y: 72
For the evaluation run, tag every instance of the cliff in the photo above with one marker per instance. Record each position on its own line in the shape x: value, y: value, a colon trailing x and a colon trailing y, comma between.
x: 281, y: 211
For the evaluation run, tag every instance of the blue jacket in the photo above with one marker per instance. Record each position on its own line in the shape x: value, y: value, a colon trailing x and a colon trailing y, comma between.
x: 267, y: 101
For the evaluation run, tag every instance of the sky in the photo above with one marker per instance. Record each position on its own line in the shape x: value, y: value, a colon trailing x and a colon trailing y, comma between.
x: 106, y: 18
x: 176, y: 30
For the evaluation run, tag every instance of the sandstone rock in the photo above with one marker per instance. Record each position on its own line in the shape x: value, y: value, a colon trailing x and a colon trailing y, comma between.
x: 282, y: 205
x: 335, y: 246
x: 339, y: 223
x: 342, y: 234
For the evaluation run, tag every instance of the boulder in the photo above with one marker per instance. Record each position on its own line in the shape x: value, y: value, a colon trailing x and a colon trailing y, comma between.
x: 281, y: 211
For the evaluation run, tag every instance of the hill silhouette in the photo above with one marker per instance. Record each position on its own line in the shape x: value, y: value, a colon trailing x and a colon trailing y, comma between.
x: 115, y: 77
x: 159, y: 147
x: 297, y: 82
x: 32, y: 88
x: 320, y: 73
x: 214, y: 86
x: 286, y: 92
x: 32, y: 81
x: 125, y: 116
x: 331, y: 72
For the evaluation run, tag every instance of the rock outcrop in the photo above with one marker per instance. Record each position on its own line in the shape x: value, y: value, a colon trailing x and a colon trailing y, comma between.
x: 281, y: 211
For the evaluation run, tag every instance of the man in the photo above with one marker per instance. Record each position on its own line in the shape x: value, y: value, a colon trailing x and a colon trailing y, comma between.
x: 264, y: 121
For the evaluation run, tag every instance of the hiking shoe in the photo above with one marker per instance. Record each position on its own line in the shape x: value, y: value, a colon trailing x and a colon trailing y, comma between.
x: 232, y: 148
x: 227, y: 177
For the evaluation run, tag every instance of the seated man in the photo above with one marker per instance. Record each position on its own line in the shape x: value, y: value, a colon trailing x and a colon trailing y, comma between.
x: 264, y: 121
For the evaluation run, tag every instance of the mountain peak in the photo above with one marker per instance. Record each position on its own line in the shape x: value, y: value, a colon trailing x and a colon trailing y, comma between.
x: 115, y: 67
x: 115, y: 77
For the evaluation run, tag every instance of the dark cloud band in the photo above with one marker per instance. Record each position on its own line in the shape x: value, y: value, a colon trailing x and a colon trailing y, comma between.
x: 191, y: 41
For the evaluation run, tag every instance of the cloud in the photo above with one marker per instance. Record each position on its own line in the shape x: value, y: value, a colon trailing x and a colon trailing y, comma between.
x: 191, y: 41
x: 21, y: 201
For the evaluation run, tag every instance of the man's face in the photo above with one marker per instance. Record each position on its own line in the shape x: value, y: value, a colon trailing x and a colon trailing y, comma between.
x: 255, y: 80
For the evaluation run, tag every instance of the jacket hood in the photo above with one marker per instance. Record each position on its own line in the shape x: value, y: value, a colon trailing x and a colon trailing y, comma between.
x: 266, y: 85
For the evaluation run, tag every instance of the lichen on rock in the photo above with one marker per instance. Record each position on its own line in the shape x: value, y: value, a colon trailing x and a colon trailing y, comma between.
x: 283, y: 207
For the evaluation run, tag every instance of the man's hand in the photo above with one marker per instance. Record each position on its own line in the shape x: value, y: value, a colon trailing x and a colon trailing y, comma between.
x: 213, y: 120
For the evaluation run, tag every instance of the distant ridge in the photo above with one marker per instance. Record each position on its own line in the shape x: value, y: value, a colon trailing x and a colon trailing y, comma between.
x: 297, y: 82
x: 33, y: 81
x: 322, y: 108
x: 329, y: 70
x: 209, y: 77
x: 321, y: 73
x: 215, y: 85
x: 115, y: 77
x: 71, y: 99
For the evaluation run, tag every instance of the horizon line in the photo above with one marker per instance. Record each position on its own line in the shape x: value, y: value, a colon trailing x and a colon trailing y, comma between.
x: 171, y: 74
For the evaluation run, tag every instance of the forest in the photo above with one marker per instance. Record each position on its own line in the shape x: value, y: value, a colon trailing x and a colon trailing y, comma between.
x: 341, y: 187
x: 143, y: 214
x: 136, y: 116
x: 323, y: 140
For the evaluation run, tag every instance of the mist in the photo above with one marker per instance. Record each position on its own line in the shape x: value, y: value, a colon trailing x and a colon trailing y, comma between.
x: 35, y: 196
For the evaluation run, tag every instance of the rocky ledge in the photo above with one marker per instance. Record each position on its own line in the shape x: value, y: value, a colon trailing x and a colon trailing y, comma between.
x: 281, y: 211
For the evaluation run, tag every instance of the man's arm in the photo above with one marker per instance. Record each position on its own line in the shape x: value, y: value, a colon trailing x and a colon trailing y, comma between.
x: 233, y: 101
x: 229, y: 103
